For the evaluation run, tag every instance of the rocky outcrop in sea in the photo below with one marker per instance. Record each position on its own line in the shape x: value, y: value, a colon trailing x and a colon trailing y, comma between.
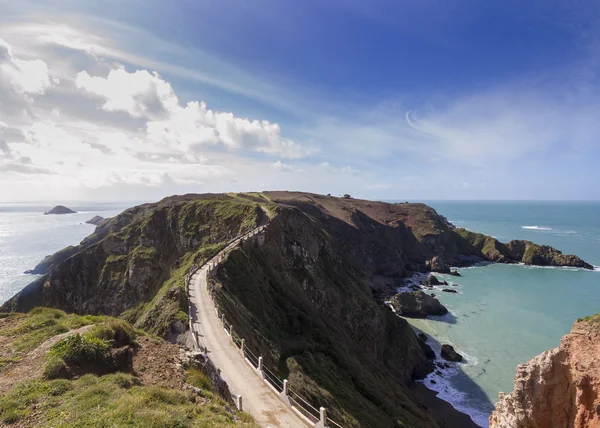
x: 60, y: 209
x: 417, y: 304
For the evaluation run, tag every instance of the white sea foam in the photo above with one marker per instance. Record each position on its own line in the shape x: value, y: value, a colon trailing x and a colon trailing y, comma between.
x: 459, y: 400
x: 447, y: 392
x: 536, y: 227
x: 569, y: 268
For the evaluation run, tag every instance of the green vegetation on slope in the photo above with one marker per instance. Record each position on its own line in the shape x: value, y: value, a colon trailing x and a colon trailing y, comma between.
x: 490, y: 247
x: 41, y: 324
x: 310, y: 314
x: 89, y: 399
x: 135, y: 265
x: 112, y: 400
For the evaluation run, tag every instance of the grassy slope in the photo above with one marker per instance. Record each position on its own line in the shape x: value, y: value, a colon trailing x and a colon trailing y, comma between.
x: 313, y: 319
x: 93, y: 400
x: 135, y: 265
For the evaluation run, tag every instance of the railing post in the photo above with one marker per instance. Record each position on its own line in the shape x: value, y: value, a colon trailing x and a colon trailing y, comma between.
x: 231, y: 332
x: 285, y: 387
x: 260, y: 365
x: 323, y: 417
x: 243, y: 345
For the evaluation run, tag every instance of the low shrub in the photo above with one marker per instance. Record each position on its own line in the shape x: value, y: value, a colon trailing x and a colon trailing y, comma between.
x: 55, y: 367
x: 79, y: 348
x: 116, y: 332
x: 198, y: 379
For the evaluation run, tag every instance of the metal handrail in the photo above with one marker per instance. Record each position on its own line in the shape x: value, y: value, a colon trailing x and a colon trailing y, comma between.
x: 273, y: 375
x: 331, y: 421
x: 301, y: 404
x: 305, y: 412
x: 273, y: 381
x: 310, y: 406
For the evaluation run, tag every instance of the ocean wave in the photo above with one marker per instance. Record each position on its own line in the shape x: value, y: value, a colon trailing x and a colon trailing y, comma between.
x: 569, y: 268
x: 536, y: 227
x: 458, y: 399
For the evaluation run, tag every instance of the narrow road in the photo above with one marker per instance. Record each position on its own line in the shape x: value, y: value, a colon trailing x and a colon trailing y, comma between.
x: 257, y: 398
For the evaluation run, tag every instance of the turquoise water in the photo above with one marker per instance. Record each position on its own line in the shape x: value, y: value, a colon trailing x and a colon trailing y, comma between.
x: 503, y: 315
x: 506, y: 314
x: 27, y: 235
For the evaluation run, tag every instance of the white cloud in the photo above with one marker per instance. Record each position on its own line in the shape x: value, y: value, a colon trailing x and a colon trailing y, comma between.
x: 284, y: 167
x: 347, y: 170
x: 25, y: 76
x: 141, y: 94
x: 146, y: 95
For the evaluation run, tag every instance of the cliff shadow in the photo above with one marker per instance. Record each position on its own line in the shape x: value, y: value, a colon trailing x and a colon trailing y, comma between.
x: 449, y: 383
x: 449, y: 318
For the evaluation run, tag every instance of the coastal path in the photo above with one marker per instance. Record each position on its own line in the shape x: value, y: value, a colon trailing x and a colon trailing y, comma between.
x: 256, y: 389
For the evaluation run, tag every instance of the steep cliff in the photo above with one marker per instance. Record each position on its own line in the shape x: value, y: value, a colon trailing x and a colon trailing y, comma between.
x: 306, y: 298
x: 134, y: 265
x: 543, y: 255
x: 558, y: 388
x: 308, y: 310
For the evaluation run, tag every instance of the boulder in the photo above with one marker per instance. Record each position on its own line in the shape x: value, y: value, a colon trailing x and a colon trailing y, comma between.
x: 422, y: 336
x: 449, y: 290
x: 454, y: 272
x: 432, y: 280
x: 60, y: 209
x: 448, y: 353
x: 437, y: 264
x: 417, y: 304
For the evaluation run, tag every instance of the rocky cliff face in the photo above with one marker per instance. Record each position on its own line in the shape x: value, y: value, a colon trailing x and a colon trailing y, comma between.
x: 558, y: 388
x: 543, y: 255
x: 306, y: 297
x: 303, y: 303
x: 134, y: 265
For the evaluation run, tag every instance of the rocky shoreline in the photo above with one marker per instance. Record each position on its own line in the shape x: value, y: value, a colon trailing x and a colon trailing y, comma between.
x: 336, y: 259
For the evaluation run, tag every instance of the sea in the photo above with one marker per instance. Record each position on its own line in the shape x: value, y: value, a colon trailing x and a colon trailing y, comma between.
x: 504, y: 315
x: 501, y: 316
x: 27, y: 236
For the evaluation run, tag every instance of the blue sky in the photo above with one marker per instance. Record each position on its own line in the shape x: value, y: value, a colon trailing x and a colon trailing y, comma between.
x: 383, y: 99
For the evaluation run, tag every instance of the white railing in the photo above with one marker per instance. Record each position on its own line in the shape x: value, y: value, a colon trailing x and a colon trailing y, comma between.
x: 311, y: 415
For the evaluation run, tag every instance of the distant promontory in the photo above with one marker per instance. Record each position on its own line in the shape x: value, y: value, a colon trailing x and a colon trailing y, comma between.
x: 60, y: 209
x: 96, y: 220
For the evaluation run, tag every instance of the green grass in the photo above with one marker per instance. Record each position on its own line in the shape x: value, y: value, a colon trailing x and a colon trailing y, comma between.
x: 112, y: 400
x: 41, y: 324
x: 7, y: 361
x: 79, y: 348
x: 144, y: 252
x: 198, y: 379
x: 591, y: 319
x: 92, y: 347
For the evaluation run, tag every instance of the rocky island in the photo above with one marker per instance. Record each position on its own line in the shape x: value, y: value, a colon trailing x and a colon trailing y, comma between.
x: 60, y: 209
x: 308, y: 296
